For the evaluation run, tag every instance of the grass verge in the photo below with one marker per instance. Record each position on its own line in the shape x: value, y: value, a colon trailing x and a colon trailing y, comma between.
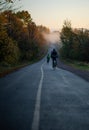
x: 77, y: 64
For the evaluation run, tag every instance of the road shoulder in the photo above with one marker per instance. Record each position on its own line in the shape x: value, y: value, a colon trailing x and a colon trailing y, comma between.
x: 82, y: 73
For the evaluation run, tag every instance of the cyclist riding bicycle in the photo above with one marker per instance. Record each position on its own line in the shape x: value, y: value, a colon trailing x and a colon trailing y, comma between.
x: 54, y: 57
x: 48, y: 58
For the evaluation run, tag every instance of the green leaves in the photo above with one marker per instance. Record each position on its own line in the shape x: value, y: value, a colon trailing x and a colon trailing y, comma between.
x: 75, y: 43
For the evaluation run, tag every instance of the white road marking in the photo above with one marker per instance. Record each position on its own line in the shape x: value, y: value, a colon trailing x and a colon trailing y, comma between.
x: 36, y: 117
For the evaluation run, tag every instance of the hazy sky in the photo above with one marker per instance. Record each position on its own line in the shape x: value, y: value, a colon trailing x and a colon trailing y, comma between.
x: 52, y: 13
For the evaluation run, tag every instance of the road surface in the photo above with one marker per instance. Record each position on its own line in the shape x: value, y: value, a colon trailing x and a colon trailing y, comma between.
x: 39, y: 98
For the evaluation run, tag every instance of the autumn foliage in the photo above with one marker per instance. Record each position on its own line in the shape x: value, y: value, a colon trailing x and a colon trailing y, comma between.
x: 20, y: 37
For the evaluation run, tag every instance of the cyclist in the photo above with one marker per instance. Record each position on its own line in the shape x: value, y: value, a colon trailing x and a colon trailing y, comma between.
x: 54, y: 57
x: 48, y: 58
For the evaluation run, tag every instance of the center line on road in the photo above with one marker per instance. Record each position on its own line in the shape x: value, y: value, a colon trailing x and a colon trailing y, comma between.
x: 36, y: 117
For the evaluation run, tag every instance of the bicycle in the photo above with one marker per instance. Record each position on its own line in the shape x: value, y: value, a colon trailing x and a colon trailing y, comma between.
x: 54, y: 64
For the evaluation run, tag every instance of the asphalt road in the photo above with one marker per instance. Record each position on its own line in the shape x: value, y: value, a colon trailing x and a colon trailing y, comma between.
x: 40, y: 98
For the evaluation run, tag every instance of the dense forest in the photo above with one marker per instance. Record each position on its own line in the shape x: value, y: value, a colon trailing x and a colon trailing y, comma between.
x: 75, y: 43
x: 20, y: 38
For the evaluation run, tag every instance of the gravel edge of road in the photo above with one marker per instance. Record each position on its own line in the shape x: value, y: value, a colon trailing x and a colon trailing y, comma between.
x: 81, y: 73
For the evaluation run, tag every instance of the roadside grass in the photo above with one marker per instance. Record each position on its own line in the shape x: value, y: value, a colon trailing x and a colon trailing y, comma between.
x: 6, y: 68
x: 77, y: 64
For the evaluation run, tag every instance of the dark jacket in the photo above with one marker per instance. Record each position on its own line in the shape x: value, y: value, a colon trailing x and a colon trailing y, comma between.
x: 54, y: 54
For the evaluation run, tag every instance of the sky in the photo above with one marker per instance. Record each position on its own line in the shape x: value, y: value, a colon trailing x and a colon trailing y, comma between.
x: 52, y: 13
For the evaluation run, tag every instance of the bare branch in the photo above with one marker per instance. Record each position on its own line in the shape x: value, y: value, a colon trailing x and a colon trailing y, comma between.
x: 9, y: 5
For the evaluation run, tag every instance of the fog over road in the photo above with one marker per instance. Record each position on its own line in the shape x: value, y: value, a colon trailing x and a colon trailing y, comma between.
x: 39, y: 98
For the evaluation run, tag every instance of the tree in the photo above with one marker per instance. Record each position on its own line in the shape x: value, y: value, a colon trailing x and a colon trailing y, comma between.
x: 20, y: 38
x: 9, y: 51
x: 24, y: 16
x: 75, y: 43
x: 66, y: 38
